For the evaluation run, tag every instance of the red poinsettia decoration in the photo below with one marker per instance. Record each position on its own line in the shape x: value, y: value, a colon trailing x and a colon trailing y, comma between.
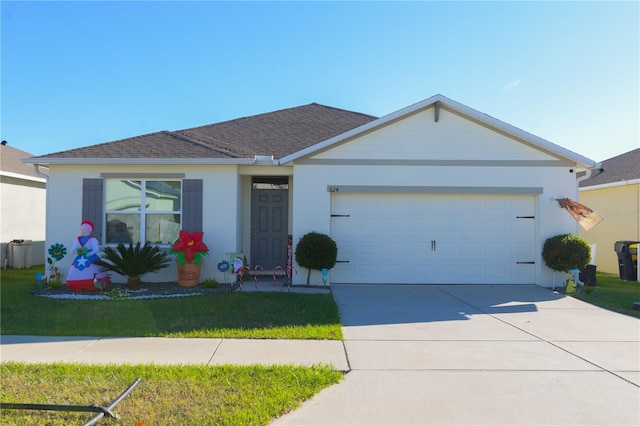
x: 189, y: 248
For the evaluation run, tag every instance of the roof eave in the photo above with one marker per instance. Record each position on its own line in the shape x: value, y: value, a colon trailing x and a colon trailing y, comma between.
x: 22, y: 177
x: 610, y: 185
x: 143, y: 161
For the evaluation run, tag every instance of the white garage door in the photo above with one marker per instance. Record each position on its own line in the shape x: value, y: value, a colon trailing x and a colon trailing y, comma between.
x: 433, y: 239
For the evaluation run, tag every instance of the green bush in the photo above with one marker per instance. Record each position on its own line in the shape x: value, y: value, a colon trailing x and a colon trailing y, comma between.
x: 566, y: 252
x: 316, y: 251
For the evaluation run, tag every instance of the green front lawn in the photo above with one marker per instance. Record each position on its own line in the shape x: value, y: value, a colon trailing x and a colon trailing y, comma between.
x: 166, y: 395
x: 613, y: 294
x: 228, y: 315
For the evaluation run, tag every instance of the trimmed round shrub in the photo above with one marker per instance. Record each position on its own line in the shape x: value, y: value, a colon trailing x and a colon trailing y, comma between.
x: 316, y: 251
x: 566, y: 252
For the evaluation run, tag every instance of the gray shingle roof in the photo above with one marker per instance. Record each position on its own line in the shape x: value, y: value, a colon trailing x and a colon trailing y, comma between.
x: 10, y: 161
x: 278, y: 133
x: 617, y: 169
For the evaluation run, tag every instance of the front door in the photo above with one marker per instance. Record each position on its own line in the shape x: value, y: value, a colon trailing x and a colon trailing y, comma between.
x: 269, y: 222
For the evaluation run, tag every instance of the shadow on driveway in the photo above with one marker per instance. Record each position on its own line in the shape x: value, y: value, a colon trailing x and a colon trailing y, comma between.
x: 397, y: 304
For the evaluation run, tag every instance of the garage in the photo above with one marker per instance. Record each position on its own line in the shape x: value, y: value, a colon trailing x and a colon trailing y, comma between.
x: 427, y: 238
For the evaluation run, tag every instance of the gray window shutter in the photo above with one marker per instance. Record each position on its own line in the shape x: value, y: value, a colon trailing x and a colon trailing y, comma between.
x: 192, y: 205
x: 92, y: 203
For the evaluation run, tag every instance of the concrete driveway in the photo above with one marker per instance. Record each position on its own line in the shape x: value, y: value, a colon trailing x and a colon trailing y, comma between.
x: 479, y: 355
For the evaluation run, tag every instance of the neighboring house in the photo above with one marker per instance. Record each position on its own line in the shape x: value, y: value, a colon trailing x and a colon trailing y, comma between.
x: 614, y: 193
x: 22, y: 209
x: 434, y: 193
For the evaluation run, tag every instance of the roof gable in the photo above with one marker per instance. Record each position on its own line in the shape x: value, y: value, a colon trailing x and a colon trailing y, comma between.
x: 437, y: 103
x: 419, y: 137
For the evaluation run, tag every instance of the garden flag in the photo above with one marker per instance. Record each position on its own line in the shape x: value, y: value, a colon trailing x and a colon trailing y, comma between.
x: 586, y: 217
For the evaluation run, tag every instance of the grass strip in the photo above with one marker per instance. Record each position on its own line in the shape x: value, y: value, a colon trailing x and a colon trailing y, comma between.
x: 256, y: 315
x: 613, y: 294
x: 166, y: 395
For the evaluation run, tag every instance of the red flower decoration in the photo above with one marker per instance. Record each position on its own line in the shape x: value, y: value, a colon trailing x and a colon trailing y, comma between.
x: 189, y: 247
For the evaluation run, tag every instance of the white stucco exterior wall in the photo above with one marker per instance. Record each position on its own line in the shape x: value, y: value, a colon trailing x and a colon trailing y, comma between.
x: 220, y: 210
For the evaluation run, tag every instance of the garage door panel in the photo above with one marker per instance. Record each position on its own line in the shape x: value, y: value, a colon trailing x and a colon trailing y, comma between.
x: 497, y: 249
x: 367, y: 272
x: 346, y: 249
x: 470, y: 249
x: 498, y: 274
x: 522, y: 250
x: 448, y: 249
x: 521, y: 227
x: 496, y: 224
x: 419, y: 238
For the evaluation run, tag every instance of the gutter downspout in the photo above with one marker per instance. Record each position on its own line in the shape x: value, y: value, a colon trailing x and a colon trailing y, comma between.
x: 588, y: 173
x: 37, y: 171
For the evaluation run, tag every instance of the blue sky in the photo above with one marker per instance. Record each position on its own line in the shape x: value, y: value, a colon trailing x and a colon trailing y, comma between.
x: 80, y: 73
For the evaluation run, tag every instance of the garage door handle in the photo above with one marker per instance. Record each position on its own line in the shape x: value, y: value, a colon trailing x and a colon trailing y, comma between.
x: 433, y: 245
x: 525, y: 263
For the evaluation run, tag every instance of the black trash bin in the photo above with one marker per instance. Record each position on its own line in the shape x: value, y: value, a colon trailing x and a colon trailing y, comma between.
x: 627, y: 252
x: 588, y: 275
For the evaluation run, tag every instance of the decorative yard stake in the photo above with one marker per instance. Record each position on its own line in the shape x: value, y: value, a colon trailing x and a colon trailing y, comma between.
x: 56, y: 253
x: 238, y: 266
x: 255, y: 275
x: 102, y: 411
x: 277, y: 268
x: 223, y: 266
x: 240, y: 273
x: 289, y: 276
x: 572, y: 280
x: 39, y: 283
x: 103, y: 283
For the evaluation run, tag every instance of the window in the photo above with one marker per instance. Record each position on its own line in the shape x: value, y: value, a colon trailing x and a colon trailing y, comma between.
x: 147, y: 211
x: 270, y: 182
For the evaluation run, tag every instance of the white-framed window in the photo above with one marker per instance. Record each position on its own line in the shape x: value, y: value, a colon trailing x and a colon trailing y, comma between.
x: 142, y: 210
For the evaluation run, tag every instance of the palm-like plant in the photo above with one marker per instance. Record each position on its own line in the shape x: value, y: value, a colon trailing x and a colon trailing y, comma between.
x: 133, y: 261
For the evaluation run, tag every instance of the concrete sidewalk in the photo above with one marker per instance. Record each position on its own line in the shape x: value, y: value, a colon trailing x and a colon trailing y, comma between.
x: 159, y: 350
